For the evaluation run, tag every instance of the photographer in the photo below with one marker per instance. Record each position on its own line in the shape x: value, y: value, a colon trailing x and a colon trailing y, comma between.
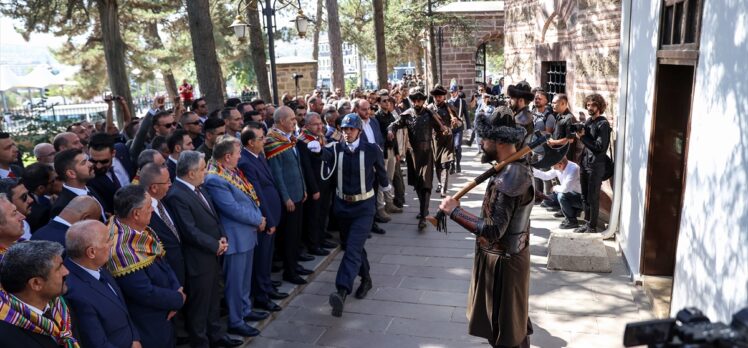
x: 562, y: 133
x: 596, y: 137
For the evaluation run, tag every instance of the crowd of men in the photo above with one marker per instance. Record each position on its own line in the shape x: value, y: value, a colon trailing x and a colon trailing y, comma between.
x: 126, y: 238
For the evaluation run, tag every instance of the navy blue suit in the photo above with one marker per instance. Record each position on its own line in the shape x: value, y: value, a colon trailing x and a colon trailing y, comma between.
x: 53, y: 231
x: 378, y: 136
x: 101, y: 315
x: 257, y: 171
x: 39, y: 215
x: 355, y: 218
x: 123, y: 155
x: 172, y: 167
x: 172, y: 244
x: 151, y: 293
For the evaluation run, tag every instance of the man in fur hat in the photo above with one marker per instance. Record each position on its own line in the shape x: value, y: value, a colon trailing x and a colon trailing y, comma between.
x: 444, y: 148
x: 499, y: 288
x: 420, y: 122
x: 520, y: 96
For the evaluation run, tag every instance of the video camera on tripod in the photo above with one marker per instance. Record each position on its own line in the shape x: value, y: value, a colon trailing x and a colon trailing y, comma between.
x: 690, y: 328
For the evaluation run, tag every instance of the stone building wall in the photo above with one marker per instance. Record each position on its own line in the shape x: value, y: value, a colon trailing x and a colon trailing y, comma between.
x: 583, y: 33
x: 486, y: 24
x: 286, y: 67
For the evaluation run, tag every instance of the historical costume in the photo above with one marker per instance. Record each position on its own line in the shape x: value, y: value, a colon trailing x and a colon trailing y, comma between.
x: 498, y: 297
x: 523, y: 117
x: 420, y: 123
x: 444, y: 148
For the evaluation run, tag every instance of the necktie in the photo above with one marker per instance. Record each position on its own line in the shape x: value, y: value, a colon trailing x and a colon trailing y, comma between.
x: 106, y: 284
x: 203, y: 200
x: 167, y: 220
x: 115, y: 181
x: 11, y: 175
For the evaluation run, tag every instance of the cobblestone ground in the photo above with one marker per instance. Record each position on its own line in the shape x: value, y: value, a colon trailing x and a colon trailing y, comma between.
x: 421, y: 284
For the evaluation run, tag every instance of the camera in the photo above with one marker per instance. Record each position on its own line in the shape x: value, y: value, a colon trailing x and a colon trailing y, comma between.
x: 112, y: 97
x: 497, y: 100
x: 573, y: 128
x: 689, y: 328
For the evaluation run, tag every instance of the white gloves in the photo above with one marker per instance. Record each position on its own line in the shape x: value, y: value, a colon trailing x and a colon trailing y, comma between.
x: 314, y: 146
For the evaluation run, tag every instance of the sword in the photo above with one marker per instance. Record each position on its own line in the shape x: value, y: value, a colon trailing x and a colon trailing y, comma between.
x: 551, y: 156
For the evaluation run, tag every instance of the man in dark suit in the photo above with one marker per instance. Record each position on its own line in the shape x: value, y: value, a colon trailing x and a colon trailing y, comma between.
x: 203, y: 241
x: 38, y: 179
x: 372, y: 133
x: 177, y: 142
x: 284, y: 162
x: 255, y: 168
x: 79, y: 209
x: 17, y: 194
x: 311, y: 163
x: 100, y: 311
x: 155, y: 180
x: 39, y: 305
x: 111, y: 172
x: 9, y: 155
x: 150, y: 287
x: 75, y: 170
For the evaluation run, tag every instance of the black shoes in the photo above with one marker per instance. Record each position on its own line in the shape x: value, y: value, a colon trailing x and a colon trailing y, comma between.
x: 328, y: 245
x: 269, y: 306
x: 566, y: 225
x: 558, y: 214
x: 305, y: 257
x: 303, y: 271
x: 244, y: 331
x: 337, y: 301
x: 586, y: 229
x: 364, y: 288
x: 378, y: 230
x: 422, y: 225
x: 295, y: 279
x: 277, y: 283
x: 277, y: 295
x: 319, y: 252
x: 256, y: 316
x: 229, y: 342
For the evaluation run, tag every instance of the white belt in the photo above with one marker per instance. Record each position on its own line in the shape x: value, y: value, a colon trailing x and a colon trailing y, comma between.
x: 362, y: 180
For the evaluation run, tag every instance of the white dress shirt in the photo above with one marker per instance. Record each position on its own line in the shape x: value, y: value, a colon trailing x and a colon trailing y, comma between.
x: 354, y: 145
x: 154, y: 204
x: 569, y: 178
x: 368, y: 131
x: 119, y: 170
x: 62, y: 221
x: 4, y: 173
x: 84, y: 192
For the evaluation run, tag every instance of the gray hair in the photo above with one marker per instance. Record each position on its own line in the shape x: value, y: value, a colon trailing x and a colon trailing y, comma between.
x: 26, y: 260
x: 224, y: 146
x: 149, y: 174
x: 147, y: 156
x: 342, y: 103
x: 38, y: 148
x: 310, y: 116
x: 3, y: 197
x: 127, y: 199
x: 188, y: 161
x: 282, y: 113
x: 79, y: 237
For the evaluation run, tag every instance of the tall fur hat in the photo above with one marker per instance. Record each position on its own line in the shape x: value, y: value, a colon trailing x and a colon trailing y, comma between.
x: 500, y: 126
x: 416, y: 93
x: 521, y: 90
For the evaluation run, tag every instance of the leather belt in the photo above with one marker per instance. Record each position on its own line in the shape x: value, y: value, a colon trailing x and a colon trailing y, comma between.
x: 355, y: 198
x: 504, y: 246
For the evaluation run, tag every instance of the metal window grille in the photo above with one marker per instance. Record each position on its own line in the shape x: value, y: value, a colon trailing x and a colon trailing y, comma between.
x: 480, y: 64
x: 555, y: 78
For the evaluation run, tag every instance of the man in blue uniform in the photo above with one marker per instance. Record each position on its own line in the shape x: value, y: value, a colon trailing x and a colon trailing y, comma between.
x: 359, y: 165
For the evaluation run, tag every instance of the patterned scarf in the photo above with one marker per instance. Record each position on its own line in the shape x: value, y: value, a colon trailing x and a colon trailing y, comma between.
x: 16, y: 313
x: 277, y: 143
x: 307, y: 136
x: 234, y: 177
x: 132, y: 250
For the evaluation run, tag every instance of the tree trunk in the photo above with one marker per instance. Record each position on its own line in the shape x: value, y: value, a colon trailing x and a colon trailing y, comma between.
x: 336, y: 46
x: 315, y: 44
x: 257, y: 52
x: 432, y: 50
x: 418, y: 59
x: 114, y: 53
x: 209, y: 74
x: 153, y: 39
x: 380, y: 41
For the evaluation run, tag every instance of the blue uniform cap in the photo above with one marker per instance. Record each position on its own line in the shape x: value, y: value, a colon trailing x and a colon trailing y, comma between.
x: 351, y: 121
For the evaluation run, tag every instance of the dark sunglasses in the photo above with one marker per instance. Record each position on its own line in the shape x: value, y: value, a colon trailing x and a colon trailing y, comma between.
x: 24, y: 196
x: 99, y: 161
x: 169, y: 125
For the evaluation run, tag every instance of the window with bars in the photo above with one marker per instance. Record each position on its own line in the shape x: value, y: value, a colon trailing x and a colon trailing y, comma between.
x: 554, y: 78
x: 680, y: 24
x: 480, y: 64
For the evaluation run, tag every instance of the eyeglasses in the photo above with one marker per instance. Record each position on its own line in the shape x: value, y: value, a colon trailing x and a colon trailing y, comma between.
x: 105, y: 161
x: 24, y: 196
x: 169, y: 125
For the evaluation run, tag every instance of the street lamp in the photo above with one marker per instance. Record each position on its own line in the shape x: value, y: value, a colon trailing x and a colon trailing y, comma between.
x: 241, y: 30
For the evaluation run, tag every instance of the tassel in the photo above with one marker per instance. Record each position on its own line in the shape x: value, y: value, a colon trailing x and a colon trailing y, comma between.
x: 441, y: 222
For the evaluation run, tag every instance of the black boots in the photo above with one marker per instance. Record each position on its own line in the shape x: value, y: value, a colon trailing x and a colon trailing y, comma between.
x: 364, y: 288
x: 337, y: 301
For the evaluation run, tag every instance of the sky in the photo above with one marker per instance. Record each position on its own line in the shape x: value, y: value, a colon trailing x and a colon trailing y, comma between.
x: 8, y: 35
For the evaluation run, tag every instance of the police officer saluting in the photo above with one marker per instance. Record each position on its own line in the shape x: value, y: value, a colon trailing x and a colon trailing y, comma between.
x: 359, y: 165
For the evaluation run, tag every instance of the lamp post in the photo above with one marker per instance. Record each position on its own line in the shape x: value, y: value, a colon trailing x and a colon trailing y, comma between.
x: 440, y: 42
x: 241, y: 31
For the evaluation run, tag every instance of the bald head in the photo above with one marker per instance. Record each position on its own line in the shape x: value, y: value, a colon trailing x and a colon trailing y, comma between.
x: 81, y: 208
x: 281, y: 115
x: 67, y: 140
x: 45, y: 153
x: 83, y: 235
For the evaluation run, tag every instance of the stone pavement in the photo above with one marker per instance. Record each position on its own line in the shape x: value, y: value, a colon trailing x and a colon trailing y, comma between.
x: 421, y: 283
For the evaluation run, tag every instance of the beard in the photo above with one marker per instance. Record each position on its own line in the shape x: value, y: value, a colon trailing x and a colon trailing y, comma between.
x: 418, y: 109
x: 488, y: 155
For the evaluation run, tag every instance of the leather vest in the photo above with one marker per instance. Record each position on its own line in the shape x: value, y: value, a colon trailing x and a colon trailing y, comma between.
x: 515, y: 180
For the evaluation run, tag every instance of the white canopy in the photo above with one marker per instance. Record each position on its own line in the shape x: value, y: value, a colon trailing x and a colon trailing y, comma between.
x: 40, y: 77
x: 8, y: 79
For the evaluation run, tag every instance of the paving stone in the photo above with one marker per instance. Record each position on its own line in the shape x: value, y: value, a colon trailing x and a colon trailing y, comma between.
x: 435, y: 284
x: 440, y: 330
x: 404, y: 259
x: 296, y: 333
x: 446, y: 252
x: 444, y: 298
x: 434, y: 272
x: 577, y: 252
x: 399, y: 309
x: 396, y: 295
x: 322, y: 317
